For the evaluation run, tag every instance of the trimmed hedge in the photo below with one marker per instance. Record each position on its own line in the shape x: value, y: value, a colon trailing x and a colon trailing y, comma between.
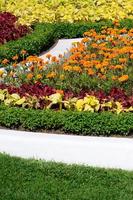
x: 44, y: 35
x: 79, y: 123
x: 40, y: 38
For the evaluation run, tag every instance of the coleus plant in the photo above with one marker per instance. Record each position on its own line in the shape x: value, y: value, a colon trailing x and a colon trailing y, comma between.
x: 10, y: 29
x: 40, y: 90
x: 55, y: 101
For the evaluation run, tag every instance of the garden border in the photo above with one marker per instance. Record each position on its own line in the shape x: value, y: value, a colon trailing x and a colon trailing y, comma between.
x: 68, y: 122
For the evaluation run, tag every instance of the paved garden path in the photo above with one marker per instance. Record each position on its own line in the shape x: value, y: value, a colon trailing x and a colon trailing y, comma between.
x: 92, y: 151
x: 61, y: 47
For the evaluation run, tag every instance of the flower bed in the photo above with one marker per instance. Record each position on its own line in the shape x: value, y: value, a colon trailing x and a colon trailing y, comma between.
x: 44, y: 35
x: 96, y: 77
x: 99, y: 69
x: 31, y: 11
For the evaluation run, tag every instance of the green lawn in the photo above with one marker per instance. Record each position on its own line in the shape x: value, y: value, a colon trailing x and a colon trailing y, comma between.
x: 37, y: 180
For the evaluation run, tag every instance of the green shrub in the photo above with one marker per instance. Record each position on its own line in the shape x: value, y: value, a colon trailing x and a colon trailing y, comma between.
x: 79, y: 123
x: 40, y: 38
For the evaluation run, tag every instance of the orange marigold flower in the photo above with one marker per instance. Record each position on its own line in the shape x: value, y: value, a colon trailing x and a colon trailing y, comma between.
x: 86, y: 57
x: 103, y: 77
x: 67, y: 68
x: 122, y: 60
x: 123, y: 78
x: 99, y: 66
x: 87, y: 63
x: 15, y: 57
x: 30, y: 76
x: 94, y: 45
x: 23, y: 52
x: 105, y: 63
x: 51, y: 75
x: 131, y: 56
x: 86, y: 33
x: 124, y: 30
x: 5, y: 61
x: 93, y: 55
x: 33, y: 59
x: 77, y: 69
x: 84, y: 40
x: 40, y: 67
x: 48, y: 56
x: 31, y: 68
x: 54, y: 59
x: 91, y: 72
x: 60, y: 92
x: 14, y: 65
x: 118, y: 67
x: 116, y: 22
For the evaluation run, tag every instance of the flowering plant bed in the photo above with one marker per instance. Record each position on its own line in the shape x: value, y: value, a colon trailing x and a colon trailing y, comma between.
x: 95, y: 76
x: 44, y: 35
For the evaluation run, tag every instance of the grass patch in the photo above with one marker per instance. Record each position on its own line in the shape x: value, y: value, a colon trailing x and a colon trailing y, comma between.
x: 37, y: 180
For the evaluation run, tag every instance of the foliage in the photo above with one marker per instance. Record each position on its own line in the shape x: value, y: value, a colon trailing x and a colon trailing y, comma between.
x: 41, y: 37
x: 10, y: 29
x: 56, y: 101
x: 44, y: 35
x: 31, y: 11
x: 80, y: 123
x: 45, y: 97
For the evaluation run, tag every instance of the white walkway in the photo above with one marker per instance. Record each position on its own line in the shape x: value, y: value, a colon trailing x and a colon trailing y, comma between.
x: 61, y: 47
x: 92, y: 151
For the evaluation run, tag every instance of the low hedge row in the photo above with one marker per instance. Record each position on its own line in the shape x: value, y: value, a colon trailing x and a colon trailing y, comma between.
x: 79, y: 123
x: 44, y: 35
x: 40, y: 38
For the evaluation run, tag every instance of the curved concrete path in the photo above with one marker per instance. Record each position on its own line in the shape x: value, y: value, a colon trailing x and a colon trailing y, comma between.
x: 62, y: 46
x: 92, y: 151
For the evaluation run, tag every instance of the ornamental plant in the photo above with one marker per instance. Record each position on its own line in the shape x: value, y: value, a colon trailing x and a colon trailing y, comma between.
x: 31, y: 11
x: 10, y: 29
x: 101, y: 61
x: 56, y: 101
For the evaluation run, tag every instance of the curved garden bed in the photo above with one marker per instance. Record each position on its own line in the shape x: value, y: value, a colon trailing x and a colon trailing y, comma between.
x: 90, y: 92
x: 45, y: 34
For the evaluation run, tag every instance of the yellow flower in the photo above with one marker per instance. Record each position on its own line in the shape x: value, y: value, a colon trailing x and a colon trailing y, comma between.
x: 1, y: 72
x: 51, y: 75
x: 39, y: 76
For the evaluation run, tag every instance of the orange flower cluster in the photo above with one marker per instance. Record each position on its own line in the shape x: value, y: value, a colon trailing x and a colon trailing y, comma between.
x: 105, y: 55
x: 100, y: 58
